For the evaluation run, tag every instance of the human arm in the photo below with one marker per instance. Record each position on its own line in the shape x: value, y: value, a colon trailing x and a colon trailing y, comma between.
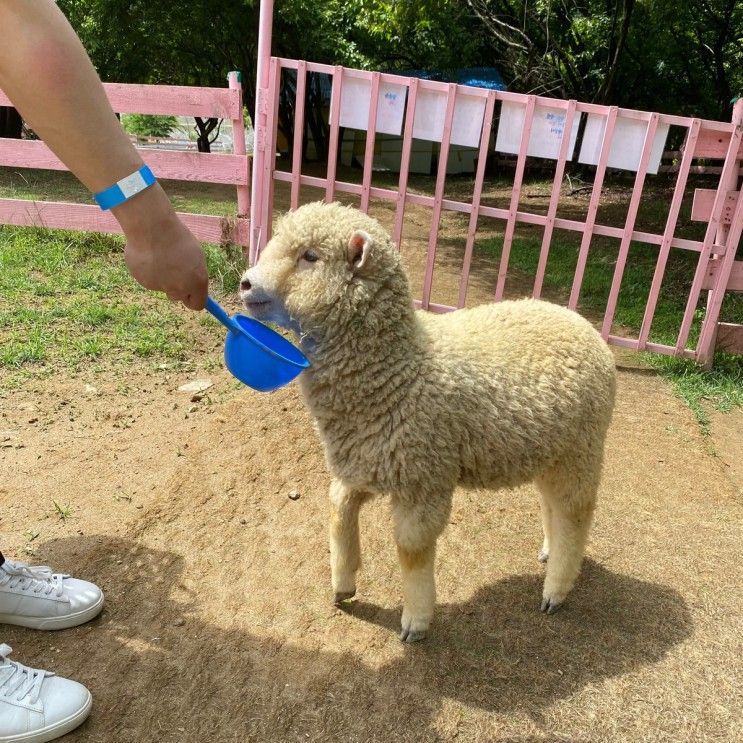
x: 47, y: 74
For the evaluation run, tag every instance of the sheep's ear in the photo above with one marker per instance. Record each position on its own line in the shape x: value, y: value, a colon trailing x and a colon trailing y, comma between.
x: 359, y: 247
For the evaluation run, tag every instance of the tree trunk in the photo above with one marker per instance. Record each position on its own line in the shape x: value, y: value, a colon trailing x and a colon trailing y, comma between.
x: 605, y: 91
x: 204, y: 127
x: 11, y: 123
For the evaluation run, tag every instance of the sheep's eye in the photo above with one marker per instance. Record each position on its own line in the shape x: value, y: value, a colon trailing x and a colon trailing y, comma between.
x: 310, y: 256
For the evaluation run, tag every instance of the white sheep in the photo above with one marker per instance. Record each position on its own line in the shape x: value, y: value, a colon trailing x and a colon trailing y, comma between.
x: 411, y: 404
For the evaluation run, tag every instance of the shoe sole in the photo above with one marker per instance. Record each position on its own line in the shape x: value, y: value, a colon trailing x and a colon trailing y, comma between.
x: 52, y: 623
x: 52, y: 732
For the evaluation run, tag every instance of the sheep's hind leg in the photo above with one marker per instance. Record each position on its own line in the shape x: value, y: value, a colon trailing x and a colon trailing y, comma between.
x: 345, y: 545
x: 416, y: 531
x: 546, y: 511
x: 570, y: 501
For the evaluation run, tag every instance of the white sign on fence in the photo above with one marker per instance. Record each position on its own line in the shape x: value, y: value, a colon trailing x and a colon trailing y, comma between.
x: 469, y: 112
x: 430, y: 117
x: 626, y: 145
x: 547, y: 129
x: 356, y: 100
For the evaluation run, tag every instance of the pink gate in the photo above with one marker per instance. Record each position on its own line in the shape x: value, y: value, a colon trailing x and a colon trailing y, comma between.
x: 526, y: 126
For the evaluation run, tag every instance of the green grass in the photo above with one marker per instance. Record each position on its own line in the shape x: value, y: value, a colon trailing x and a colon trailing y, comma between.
x: 63, y: 511
x: 722, y: 388
x: 67, y: 299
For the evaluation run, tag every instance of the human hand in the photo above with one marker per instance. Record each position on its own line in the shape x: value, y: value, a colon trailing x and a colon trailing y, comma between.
x: 161, y: 253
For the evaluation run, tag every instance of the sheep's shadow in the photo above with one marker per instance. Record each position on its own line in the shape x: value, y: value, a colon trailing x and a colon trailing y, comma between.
x: 491, y: 649
x: 159, y: 672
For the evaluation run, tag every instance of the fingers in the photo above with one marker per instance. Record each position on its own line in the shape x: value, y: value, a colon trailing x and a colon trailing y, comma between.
x: 195, y: 302
x: 171, y: 262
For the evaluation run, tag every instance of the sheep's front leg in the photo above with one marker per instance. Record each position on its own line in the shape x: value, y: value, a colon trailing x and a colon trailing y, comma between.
x: 416, y: 531
x: 345, y: 546
x: 418, y: 590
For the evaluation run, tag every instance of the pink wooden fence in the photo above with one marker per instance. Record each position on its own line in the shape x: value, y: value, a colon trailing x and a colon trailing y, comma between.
x: 231, y: 169
x: 450, y: 115
x: 447, y: 113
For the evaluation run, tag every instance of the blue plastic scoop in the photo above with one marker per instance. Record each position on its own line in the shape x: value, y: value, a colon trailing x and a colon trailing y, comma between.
x: 255, y: 354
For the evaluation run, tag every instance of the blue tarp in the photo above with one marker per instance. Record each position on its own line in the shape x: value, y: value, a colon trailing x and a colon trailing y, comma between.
x: 479, y: 77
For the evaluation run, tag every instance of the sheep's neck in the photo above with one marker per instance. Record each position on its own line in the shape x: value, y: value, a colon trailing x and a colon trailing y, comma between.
x: 380, y: 352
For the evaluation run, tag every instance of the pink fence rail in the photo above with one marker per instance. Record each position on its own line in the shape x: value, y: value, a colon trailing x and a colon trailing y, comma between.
x: 230, y: 169
x: 533, y: 126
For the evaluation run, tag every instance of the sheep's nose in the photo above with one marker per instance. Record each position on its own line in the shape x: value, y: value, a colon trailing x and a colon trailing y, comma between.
x: 245, y: 285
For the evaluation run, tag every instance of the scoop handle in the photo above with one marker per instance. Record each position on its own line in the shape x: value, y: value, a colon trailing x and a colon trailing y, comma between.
x: 215, y: 310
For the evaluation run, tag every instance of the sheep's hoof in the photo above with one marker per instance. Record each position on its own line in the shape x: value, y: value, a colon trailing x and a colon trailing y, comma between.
x: 413, y: 630
x: 343, y: 597
x: 550, y: 606
x: 543, y: 556
x: 411, y: 635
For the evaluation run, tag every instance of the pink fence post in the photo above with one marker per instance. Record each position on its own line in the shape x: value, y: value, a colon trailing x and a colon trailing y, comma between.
x: 593, y: 206
x: 668, y: 233
x: 238, y: 147
x: 729, y: 176
x: 298, y: 132
x: 562, y: 158
x: 269, y: 155
x: 439, y: 193
x: 260, y: 125
x: 728, y: 236
x: 476, y: 197
x: 407, y: 146
x: 515, y: 198
x: 371, y: 131
x: 335, y: 117
x: 629, y: 225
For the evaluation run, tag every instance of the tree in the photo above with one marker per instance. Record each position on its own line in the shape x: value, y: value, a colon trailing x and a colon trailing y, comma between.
x: 685, y: 57
x: 141, y: 41
x: 652, y: 54
x: 573, y: 48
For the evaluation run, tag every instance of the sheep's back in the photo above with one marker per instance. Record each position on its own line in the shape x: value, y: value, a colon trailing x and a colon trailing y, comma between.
x: 519, y: 385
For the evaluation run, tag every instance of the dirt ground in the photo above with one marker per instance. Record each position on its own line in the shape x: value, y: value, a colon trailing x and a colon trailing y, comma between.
x: 218, y: 624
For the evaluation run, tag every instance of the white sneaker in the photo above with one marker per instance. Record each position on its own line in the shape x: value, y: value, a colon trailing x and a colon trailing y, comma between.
x: 38, y: 598
x: 37, y: 706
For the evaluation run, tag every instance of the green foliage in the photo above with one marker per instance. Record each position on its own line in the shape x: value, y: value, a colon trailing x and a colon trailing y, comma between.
x: 684, y: 57
x: 652, y: 54
x: 144, y: 125
x: 140, y: 41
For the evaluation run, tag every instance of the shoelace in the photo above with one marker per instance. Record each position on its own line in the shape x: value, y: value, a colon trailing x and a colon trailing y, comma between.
x: 38, y: 579
x: 19, y: 680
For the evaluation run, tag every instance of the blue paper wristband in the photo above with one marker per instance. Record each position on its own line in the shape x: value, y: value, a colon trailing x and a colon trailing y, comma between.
x: 126, y: 188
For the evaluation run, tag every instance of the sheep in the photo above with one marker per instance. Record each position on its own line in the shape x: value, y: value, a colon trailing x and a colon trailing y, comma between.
x: 411, y: 404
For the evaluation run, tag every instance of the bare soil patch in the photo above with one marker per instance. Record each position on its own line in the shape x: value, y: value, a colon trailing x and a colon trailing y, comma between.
x: 218, y: 624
